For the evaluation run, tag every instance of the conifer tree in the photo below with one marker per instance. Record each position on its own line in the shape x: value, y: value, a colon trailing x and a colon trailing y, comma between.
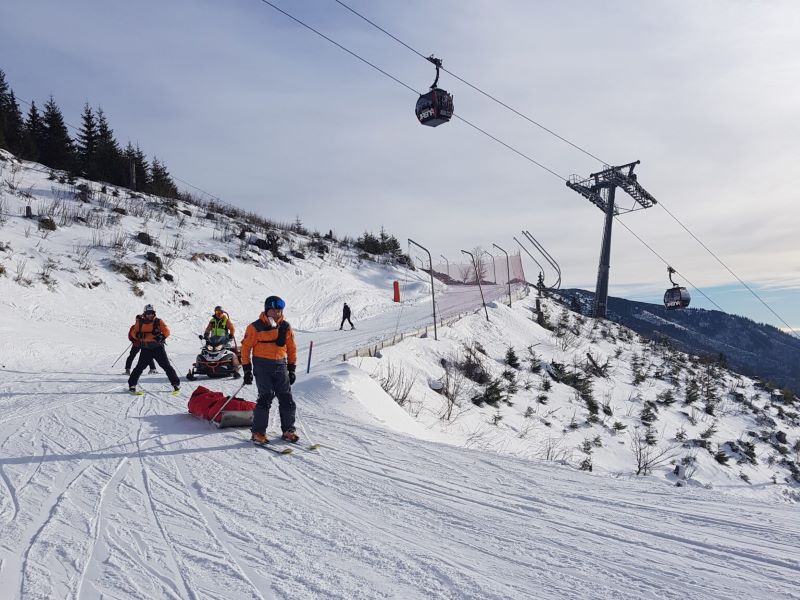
x: 511, y: 358
x: 34, y: 134
x: 109, y: 161
x: 87, y: 144
x: 134, y: 156
x: 57, y: 150
x: 15, y: 127
x: 12, y: 129
x: 161, y: 183
x: 4, y: 95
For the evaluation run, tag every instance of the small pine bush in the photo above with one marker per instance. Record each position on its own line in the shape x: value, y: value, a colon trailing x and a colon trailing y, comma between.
x: 511, y: 358
x: 721, y: 457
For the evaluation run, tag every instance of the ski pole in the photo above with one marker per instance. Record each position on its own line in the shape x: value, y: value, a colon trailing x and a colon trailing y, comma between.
x: 310, y: 348
x: 121, y: 355
x: 221, y: 408
x: 302, y: 428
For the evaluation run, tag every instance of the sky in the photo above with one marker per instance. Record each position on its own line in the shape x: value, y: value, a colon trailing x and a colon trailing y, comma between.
x: 240, y: 101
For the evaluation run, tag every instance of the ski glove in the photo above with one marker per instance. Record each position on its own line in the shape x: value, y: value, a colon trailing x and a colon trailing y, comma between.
x: 248, y: 374
x: 292, y: 376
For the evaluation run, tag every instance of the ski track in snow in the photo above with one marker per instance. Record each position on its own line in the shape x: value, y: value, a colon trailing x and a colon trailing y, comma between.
x: 135, y: 499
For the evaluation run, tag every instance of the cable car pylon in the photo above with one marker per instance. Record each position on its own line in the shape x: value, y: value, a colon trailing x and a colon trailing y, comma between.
x: 600, y: 189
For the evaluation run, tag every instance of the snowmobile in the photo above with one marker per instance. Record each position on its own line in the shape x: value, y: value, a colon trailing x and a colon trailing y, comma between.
x: 216, y: 359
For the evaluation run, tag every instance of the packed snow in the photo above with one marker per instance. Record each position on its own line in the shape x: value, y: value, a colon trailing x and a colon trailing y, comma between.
x: 107, y: 495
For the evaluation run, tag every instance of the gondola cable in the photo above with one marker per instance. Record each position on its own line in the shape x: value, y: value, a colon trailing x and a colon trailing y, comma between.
x: 474, y: 126
x: 577, y: 147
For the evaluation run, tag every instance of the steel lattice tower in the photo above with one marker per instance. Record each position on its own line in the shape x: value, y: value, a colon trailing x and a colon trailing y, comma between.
x: 600, y: 189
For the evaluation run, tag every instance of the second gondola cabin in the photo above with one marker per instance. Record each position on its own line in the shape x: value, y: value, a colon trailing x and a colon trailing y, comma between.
x: 434, y: 107
x: 677, y: 297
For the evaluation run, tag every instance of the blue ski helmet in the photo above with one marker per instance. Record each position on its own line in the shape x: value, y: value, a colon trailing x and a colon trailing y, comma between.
x: 274, y: 302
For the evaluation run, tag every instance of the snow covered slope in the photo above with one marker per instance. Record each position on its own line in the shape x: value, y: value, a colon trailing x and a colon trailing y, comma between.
x: 105, y: 495
x: 584, y: 390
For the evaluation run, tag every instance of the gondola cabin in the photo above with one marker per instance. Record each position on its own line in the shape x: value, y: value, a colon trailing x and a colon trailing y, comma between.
x: 434, y: 107
x: 677, y: 297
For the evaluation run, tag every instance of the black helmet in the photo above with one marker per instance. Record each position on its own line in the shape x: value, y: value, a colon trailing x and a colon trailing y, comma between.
x: 218, y: 308
x: 274, y: 302
x: 148, y: 308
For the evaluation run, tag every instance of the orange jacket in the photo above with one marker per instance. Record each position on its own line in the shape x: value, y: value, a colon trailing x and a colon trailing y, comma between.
x: 261, y: 339
x: 144, y: 332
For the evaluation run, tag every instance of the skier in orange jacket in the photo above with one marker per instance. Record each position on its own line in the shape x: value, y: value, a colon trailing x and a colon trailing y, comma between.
x: 270, y: 341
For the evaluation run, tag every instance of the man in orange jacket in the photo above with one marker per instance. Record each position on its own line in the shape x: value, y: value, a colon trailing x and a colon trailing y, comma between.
x: 135, y: 348
x: 270, y: 340
x: 151, y: 333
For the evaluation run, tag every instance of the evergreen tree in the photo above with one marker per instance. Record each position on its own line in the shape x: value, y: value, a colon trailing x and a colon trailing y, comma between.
x: 57, y: 150
x: 575, y: 305
x: 34, y: 134
x: 383, y: 238
x: 15, y: 127
x: 87, y: 144
x: 12, y: 129
x: 141, y: 170
x: 108, y: 156
x: 511, y: 358
x: 393, y: 246
x: 4, y: 102
x: 161, y: 183
x: 692, y: 392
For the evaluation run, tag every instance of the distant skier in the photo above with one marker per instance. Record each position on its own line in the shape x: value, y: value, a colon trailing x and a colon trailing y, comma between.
x: 270, y: 340
x: 135, y: 348
x: 346, y: 317
x: 151, y: 334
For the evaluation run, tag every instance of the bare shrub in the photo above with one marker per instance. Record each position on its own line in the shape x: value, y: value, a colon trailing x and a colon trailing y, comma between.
x: 82, y: 253
x: 552, y: 449
x: 647, y: 456
x: 454, y: 387
x: 46, y: 274
x: 19, y: 277
x: 397, y: 383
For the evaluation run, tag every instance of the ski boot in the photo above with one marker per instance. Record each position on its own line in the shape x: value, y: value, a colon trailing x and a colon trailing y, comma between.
x: 153, y: 372
x: 258, y: 438
x: 290, y: 436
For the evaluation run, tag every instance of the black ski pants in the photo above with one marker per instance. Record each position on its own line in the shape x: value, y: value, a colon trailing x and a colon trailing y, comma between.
x: 347, y: 318
x: 148, y: 355
x: 134, y: 351
x: 272, y: 379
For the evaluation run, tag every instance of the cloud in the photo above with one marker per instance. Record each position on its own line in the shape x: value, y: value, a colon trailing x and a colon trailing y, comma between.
x: 241, y: 101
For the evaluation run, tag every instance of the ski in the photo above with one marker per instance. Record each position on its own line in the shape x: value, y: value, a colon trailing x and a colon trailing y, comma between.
x: 170, y: 392
x: 273, y: 448
x: 298, y: 445
x: 136, y: 393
